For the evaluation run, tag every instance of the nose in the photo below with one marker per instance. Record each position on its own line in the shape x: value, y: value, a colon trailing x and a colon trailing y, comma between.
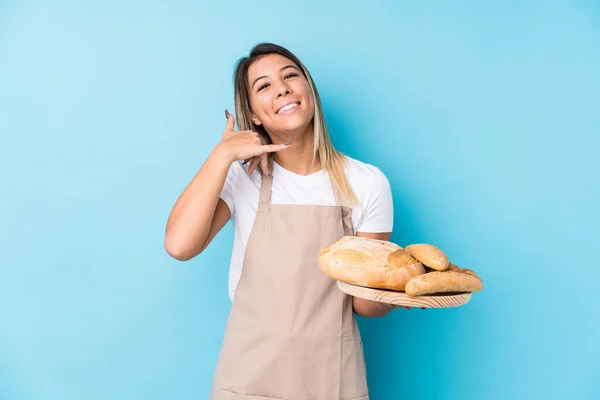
x: 283, y: 90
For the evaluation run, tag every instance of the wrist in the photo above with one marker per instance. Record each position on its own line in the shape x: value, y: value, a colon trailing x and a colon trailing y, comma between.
x: 223, y: 154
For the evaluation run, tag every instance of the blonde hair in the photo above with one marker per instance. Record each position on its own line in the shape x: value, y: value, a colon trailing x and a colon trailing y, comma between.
x: 331, y: 159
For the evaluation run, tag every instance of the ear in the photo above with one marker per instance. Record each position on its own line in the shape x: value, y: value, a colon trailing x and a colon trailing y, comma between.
x: 255, y: 120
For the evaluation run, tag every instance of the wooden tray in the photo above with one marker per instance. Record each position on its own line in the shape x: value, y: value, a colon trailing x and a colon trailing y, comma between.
x: 402, y: 299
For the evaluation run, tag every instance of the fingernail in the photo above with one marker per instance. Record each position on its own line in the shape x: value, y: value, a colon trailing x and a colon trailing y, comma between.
x: 227, y: 114
x: 288, y: 143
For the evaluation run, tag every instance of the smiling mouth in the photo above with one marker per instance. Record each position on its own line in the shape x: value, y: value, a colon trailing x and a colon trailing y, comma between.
x: 288, y: 107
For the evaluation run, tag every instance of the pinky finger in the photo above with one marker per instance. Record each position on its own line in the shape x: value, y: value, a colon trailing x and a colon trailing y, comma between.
x: 253, y: 165
x: 269, y: 148
x: 264, y: 164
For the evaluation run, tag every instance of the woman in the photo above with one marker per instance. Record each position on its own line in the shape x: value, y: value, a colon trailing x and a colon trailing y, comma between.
x: 291, y: 333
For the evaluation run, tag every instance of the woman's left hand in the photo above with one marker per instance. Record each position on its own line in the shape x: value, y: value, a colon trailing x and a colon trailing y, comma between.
x: 372, y: 309
x: 407, y: 307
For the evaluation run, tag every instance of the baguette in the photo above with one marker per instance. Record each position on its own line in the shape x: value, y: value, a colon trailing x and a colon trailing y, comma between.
x: 443, y: 282
x: 456, y: 268
x: 470, y: 272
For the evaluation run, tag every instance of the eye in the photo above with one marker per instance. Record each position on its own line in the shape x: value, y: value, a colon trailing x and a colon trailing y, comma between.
x: 290, y: 75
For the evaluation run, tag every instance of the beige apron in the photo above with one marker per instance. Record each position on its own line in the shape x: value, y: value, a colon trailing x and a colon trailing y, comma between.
x: 291, y: 333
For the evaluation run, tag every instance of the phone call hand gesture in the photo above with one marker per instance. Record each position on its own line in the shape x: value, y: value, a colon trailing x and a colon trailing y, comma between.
x: 247, y: 145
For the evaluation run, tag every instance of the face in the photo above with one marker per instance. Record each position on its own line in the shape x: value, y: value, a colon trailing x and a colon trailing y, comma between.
x: 280, y: 96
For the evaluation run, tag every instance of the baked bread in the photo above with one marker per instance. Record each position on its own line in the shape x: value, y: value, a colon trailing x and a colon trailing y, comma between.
x: 470, y: 272
x: 456, y: 268
x: 453, y: 267
x: 429, y: 255
x: 443, y: 282
x: 369, y: 262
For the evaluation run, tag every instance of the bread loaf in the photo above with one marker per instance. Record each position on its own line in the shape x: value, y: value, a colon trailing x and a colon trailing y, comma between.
x: 443, y: 282
x: 456, y: 268
x: 429, y: 255
x: 369, y: 262
x: 453, y: 267
x: 470, y: 272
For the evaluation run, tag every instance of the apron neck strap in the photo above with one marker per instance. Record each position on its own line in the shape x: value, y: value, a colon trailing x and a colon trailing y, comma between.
x: 267, y: 181
x: 265, y: 189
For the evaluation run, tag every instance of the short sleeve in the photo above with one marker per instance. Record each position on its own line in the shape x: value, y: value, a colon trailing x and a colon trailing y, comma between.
x: 227, y: 192
x: 378, y: 210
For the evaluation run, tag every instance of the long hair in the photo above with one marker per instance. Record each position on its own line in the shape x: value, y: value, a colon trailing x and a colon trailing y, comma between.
x: 331, y: 159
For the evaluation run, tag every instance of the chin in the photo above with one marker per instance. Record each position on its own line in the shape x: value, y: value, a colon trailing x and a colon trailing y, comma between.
x: 293, y: 124
x: 295, y: 128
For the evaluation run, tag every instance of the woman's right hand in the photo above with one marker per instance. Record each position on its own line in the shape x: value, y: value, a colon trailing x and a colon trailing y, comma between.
x: 245, y: 145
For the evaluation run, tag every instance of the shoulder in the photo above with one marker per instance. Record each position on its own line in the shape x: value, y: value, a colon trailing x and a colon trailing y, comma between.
x: 238, y: 170
x: 364, y: 176
x: 235, y: 168
x: 375, y: 213
x: 240, y: 182
x: 231, y: 180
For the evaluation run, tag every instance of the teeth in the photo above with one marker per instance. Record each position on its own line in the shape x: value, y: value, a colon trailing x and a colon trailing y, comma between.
x: 288, y: 107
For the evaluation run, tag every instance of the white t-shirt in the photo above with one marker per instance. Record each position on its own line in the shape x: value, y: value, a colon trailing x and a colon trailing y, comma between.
x: 241, y: 191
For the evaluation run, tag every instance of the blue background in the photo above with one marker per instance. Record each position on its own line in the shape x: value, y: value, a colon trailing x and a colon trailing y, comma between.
x: 484, y: 116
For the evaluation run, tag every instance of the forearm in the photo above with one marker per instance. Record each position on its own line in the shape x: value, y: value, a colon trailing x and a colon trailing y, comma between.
x: 189, y: 223
x: 370, y: 309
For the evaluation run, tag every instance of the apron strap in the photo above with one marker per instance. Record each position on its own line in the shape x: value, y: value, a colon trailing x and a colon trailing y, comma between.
x: 265, y: 189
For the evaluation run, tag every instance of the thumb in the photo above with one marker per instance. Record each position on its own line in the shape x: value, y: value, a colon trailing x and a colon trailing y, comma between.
x: 230, y: 121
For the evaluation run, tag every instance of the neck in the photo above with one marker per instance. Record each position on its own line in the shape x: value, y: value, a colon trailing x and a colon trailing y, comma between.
x: 298, y: 157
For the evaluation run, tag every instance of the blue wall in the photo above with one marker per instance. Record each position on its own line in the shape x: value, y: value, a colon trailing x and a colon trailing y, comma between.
x: 485, y: 118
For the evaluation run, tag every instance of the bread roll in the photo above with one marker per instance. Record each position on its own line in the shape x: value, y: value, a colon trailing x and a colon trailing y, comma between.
x: 364, y: 262
x: 456, y: 268
x: 470, y: 272
x: 453, y: 267
x: 429, y: 255
x: 443, y: 282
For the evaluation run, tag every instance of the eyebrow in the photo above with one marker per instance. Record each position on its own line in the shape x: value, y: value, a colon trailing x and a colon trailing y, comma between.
x: 264, y: 76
